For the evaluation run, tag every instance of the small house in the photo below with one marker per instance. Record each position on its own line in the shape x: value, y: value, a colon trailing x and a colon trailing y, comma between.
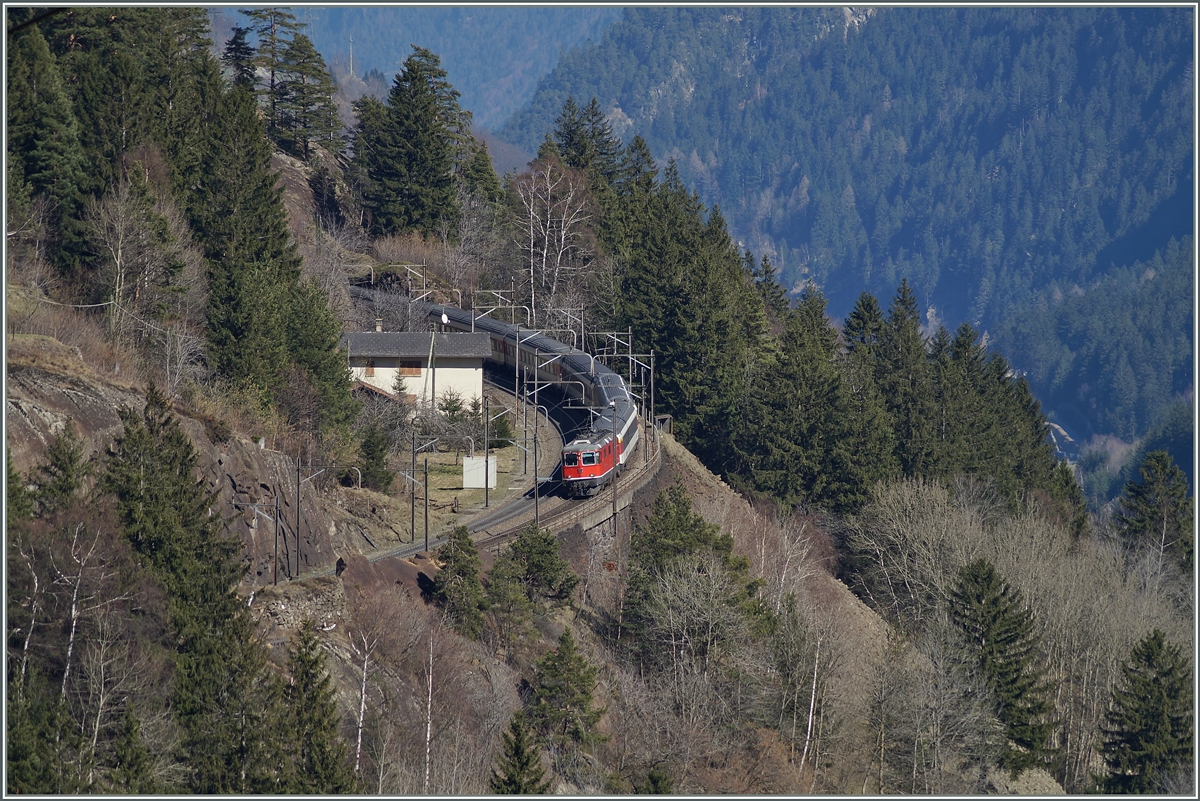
x: 427, y: 364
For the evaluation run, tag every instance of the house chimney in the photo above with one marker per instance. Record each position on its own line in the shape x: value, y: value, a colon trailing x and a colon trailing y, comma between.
x: 378, y: 323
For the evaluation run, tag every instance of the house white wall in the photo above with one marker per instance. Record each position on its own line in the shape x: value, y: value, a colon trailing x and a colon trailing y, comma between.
x: 464, y: 376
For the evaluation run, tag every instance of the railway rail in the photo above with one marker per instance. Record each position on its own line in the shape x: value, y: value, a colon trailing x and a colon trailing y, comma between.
x: 496, y: 528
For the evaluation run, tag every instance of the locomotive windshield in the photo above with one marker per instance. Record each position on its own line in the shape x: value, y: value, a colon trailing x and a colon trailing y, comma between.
x: 570, y: 459
x: 589, y: 457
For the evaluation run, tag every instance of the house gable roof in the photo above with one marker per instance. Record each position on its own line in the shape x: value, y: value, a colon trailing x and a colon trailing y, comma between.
x: 416, y: 345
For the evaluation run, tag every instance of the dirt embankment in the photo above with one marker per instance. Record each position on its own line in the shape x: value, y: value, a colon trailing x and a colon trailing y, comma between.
x: 49, y: 386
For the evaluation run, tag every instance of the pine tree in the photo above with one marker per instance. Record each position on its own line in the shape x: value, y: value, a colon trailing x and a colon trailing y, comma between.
x: 480, y: 176
x: 562, y: 711
x: 238, y: 58
x: 225, y: 700
x: 274, y: 28
x: 766, y: 281
x: 519, y: 769
x: 409, y: 153
x: 318, y: 754
x: 18, y: 500
x: 457, y: 586
x: 1157, y: 512
x: 62, y: 474
x: 239, y: 220
x: 793, y: 442
x: 1000, y: 630
x: 862, y: 330
x: 905, y: 383
x: 313, y: 344
x: 306, y: 110
x: 658, y: 782
x: 131, y: 770
x: 373, y: 454
x: 1149, y: 728
x: 542, y: 572
x: 43, y: 137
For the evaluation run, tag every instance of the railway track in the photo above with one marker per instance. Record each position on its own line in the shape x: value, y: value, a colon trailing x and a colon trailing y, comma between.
x: 492, y: 530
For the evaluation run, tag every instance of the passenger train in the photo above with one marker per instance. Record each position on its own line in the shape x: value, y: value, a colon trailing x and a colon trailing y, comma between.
x: 591, y: 459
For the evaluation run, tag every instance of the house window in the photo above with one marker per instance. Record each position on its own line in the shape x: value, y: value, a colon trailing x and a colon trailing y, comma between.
x: 410, y: 368
x: 370, y: 368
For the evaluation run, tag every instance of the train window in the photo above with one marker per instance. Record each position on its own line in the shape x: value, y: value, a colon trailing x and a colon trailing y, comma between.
x: 589, y: 457
x: 570, y: 459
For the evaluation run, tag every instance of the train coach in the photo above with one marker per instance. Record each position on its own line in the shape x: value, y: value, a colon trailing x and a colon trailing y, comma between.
x: 597, y: 454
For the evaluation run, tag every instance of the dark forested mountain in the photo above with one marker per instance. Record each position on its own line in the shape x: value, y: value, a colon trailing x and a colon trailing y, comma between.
x: 494, y: 56
x: 1002, y: 160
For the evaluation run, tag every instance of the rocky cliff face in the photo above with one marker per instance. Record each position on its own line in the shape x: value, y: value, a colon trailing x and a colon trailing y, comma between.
x: 49, y: 387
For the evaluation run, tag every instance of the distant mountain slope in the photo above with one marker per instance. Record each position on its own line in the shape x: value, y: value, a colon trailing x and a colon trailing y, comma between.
x: 493, y: 55
x: 1000, y: 158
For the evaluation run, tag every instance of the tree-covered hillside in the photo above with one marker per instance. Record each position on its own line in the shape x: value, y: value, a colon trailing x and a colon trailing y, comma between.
x: 1000, y: 159
x: 494, y: 56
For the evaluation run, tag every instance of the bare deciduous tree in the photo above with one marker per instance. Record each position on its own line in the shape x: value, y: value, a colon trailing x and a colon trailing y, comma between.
x: 554, y: 236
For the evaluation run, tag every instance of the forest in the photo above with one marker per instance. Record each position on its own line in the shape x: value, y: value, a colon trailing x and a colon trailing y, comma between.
x: 906, y: 463
x: 1007, y: 162
x: 493, y: 54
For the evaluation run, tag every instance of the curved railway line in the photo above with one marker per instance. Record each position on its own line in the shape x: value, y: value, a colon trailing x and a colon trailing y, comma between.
x: 554, y: 512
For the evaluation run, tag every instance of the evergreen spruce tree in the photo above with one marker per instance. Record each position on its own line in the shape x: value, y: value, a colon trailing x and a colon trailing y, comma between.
x: 480, y: 176
x: 457, y: 586
x: 225, y: 700
x: 43, y: 138
x: 318, y: 752
x: 114, y: 109
x: 793, y: 441
x: 408, y: 154
x: 1000, y: 631
x: 658, y: 782
x: 862, y: 330
x: 542, y: 572
x: 1157, y: 512
x: 1149, y: 728
x: 675, y: 531
x: 42, y: 742
x: 131, y: 771
x: 959, y: 415
x: 863, y: 448
x: 373, y: 454
x: 905, y: 383
x: 766, y: 281
x: 510, y: 610
x: 62, y: 474
x: 519, y: 769
x: 574, y: 146
x: 239, y: 220
x: 274, y: 29
x: 313, y: 343
x: 238, y: 58
x: 605, y: 144
x: 18, y: 500
x: 307, y: 114
x: 562, y: 711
